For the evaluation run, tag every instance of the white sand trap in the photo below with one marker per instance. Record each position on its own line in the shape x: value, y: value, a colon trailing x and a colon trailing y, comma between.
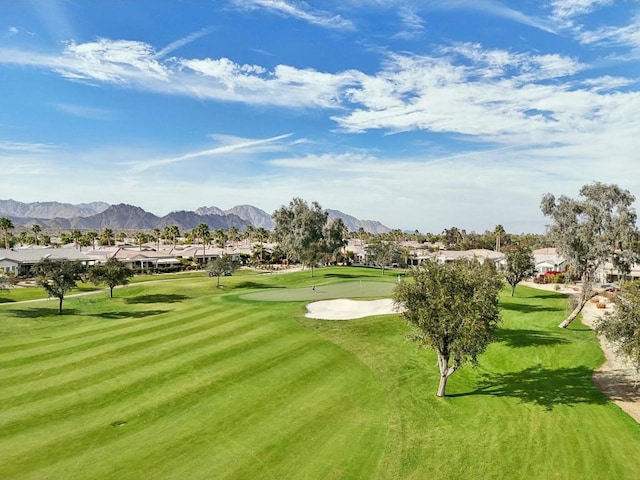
x: 343, y: 309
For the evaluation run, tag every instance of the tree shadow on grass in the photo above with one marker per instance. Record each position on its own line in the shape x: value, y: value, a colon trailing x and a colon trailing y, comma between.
x: 525, y: 308
x: 342, y: 275
x: 37, y: 312
x: 157, y: 298
x: 550, y: 295
x: 128, y: 314
x: 252, y: 284
x: 543, y: 386
x: 527, y: 338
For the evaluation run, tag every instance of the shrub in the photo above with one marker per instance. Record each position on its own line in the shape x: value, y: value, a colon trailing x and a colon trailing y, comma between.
x: 601, y: 305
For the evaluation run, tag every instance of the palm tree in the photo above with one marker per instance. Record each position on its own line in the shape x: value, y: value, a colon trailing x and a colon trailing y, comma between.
x: 156, y: 236
x: 23, y: 237
x: 36, y: 229
x: 249, y: 233
x: 204, y: 234
x: 107, y: 236
x: 220, y: 237
x: 233, y: 235
x: 171, y: 232
x: 499, y: 232
x: 261, y: 236
x: 91, y: 237
x: 139, y: 238
x: 5, y: 226
x: 76, y: 235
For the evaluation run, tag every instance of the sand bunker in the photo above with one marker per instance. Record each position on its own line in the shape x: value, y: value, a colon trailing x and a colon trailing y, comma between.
x: 343, y: 309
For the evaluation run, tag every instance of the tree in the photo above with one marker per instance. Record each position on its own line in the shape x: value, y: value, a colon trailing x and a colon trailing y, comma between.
x: 57, y: 277
x: 220, y: 237
x: 383, y: 252
x: 91, y: 238
x: 249, y: 233
x: 599, y: 227
x: 622, y: 327
x: 299, y: 229
x: 76, y: 235
x: 453, y: 308
x: 234, y: 235
x: 499, y: 232
x: 106, y: 237
x: 36, y: 229
x: 139, y: 238
x: 261, y: 235
x: 335, y: 234
x: 520, y: 265
x: 223, y: 265
x: 5, y: 225
x: 171, y: 232
x: 113, y: 272
x: 203, y: 233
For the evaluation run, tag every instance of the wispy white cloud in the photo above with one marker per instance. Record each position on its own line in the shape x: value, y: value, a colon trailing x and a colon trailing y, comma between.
x: 614, y: 36
x: 413, y: 24
x: 565, y: 9
x: 173, y: 46
x: 299, y: 10
x: 20, y: 147
x: 83, y: 111
x: 230, y: 144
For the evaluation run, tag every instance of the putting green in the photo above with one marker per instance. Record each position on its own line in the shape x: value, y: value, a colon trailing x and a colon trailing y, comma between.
x: 352, y: 289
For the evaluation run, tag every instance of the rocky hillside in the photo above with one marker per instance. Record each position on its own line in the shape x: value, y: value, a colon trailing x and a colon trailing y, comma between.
x: 99, y: 215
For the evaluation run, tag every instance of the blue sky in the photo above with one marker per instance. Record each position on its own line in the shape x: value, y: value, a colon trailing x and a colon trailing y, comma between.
x: 420, y: 114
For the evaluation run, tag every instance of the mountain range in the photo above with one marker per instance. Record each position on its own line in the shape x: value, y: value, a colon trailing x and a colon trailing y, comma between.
x: 100, y: 215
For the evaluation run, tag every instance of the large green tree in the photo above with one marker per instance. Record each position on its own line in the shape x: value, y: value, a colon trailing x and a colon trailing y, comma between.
x: 299, y: 229
x: 599, y: 226
x: 453, y: 308
x: 520, y: 264
x: 57, y: 277
x: 113, y: 272
x: 383, y: 252
x: 622, y: 327
x: 5, y: 225
x: 222, y: 265
x: 202, y: 232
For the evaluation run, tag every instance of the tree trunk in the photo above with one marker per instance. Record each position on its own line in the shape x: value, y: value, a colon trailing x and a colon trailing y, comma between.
x: 584, y: 298
x: 513, y: 289
x: 110, y: 292
x: 445, y: 373
x: 60, y: 305
x: 218, y: 281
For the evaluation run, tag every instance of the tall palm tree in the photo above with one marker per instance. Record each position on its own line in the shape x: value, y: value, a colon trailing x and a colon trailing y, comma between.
x: 91, y: 238
x: 261, y: 236
x: 156, y: 236
x: 499, y: 232
x: 107, y: 236
x: 36, y: 229
x: 233, y: 235
x: 139, y: 238
x: 204, y: 234
x: 5, y: 226
x: 220, y: 237
x: 249, y: 233
x: 76, y: 235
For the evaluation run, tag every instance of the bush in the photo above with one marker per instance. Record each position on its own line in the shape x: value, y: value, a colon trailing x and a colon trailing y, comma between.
x: 601, y: 305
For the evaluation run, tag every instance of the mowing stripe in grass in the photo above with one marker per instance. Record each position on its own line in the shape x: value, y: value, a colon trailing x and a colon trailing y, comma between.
x: 184, y: 395
x: 92, y: 370
x: 265, y: 414
x: 58, y: 348
x: 110, y: 351
x: 99, y: 394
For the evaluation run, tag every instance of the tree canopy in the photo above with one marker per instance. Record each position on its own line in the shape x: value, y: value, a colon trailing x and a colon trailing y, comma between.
x: 300, y: 231
x: 5, y: 225
x: 453, y: 308
x: 599, y: 226
x: 622, y: 327
x: 383, y: 252
x: 113, y: 272
x: 223, y: 265
x: 520, y: 265
x: 57, y: 277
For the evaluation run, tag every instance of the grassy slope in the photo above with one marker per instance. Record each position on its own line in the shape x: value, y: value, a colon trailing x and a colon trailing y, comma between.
x: 211, y: 385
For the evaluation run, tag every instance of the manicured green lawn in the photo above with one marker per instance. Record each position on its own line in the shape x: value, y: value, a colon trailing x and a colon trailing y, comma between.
x: 179, y: 379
